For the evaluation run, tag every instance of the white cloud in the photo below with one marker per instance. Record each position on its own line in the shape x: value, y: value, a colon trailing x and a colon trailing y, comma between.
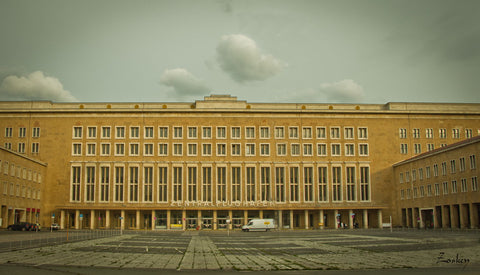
x: 183, y: 82
x: 240, y: 57
x: 346, y: 90
x: 35, y: 86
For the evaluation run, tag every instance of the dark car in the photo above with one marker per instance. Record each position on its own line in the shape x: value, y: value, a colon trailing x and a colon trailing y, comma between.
x: 21, y: 226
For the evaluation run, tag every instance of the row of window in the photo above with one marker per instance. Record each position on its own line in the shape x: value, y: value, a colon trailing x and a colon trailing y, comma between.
x: 444, y: 169
x: 21, y: 191
x: 228, y: 184
x: 417, y: 148
x: 192, y: 149
x: 419, y: 192
x: 206, y: 132
x: 21, y: 147
x: 429, y: 133
x: 20, y: 172
x: 22, y: 132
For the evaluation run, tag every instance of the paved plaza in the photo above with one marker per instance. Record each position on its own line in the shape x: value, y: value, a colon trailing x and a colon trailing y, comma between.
x: 259, y: 251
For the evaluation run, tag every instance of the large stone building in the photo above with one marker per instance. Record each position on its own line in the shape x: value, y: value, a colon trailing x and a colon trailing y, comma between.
x: 221, y: 160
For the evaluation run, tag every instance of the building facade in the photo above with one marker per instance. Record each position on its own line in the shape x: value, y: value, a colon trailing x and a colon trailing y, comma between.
x: 439, y: 189
x: 217, y: 162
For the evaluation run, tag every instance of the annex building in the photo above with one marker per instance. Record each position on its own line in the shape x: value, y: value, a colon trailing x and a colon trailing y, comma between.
x: 217, y: 162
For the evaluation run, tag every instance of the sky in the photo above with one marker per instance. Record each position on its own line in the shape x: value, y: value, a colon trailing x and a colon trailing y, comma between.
x: 315, y: 51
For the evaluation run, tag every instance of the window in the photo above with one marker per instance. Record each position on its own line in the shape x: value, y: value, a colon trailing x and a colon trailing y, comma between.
x: 435, y: 170
x: 363, y: 148
x: 236, y: 149
x: 120, y: 132
x: 22, y: 132
x: 307, y: 149
x: 192, y: 149
x: 75, y: 186
x: 192, y: 132
x: 177, y: 132
x: 453, y: 166
x: 91, y: 149
x: 236, y: 132
x: 321, y: 149
x: 177, y: 149
x: 351, y: 183
x: 264, y: 149
x: 106, y: 132
x: 279, y: 132
x: 148, y: 149
x: 454, y: 186
x: 437, y: 189
x: 363, y: 133
x: 442, y: 133
x: 134, y: 151
x: 92, y: 132
x: 429, y: 133
x: 420, y: 173
x: 337, y: 183
x: 336, y: 150
x: 104, y: 183
x: 192, y: 183
x: 250, y: 149
x: 90, y: 184
x: 364, y: 183
x: 162, y: 184
x: 473, y: 162
x: 250, y: 132
x: 444, y: 168
x: 133, y: 184
x: 21, y: 147
x: 148, y: 132
x: 294, y: 188
x: 221, y: 132
x: 427, y: 172
x: 264, y: 132
x: 349, y: 133
x: 36, y: 132
x: 77, y: 132
x: 335, y: 132
x: 295, y: 149
x: 206, y: 149
x: 265, y: 184
x: 456, y: 133
x: 402, y: 133
x: 429, y: 190
x: 403, y: 148
x: 307, y: 132
x: 177, y: 184
x: 207, y: 132
x: 349, y: 149
x: 464, y: 187
x: 416, y: 133
x: 417, y: 148
x: 308, y: 183
x: 77, y: 149
x: 9, y: 131
x: 221, y: 183
x: 293, y: 132
x: 162, y: 149
x: 236, y: 184
x: 462, y: 164
x: 119, y: 180
x: 281, y: 149
x: 221, y: 149
x: 468, y: 133
x: 445, y: 187
x: 321, y: 133
x: 35, y: 146
x: 280, y: 184
x: 162, y: 132
x: 250, y: 187
x: 322, y: 184
x: 474, y: 184
x: 430, y: 147
x: 119, y: 149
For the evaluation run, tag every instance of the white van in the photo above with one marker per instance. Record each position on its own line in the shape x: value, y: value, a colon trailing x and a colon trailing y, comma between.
x: 259, y: 225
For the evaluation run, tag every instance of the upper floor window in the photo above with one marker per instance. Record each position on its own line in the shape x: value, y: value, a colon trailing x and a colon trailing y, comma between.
x: 348, y: 132
x: 192, y: 132
x: 279, y: 132
x: 36, y: 132
x: 207, y: 132
x: 105, y: 132
x: 307, y: 132
x: 429, y: 133
x: 250, y: 132
x: 416, y: 133
x: 22, y: 131
x: 468, y: 133
x: 264, y: 132
x: 77, y: 132
x: 442, y: 133
x: 236, y: 132
x: 120, y: 132
x: 8, y: 132
x: 293, y: 132
x: 321, y: 132
x: 455, y: 133
x: 177, y: 132
x: 162, y: 132
x: 92, y: 132
x: 335, y: 132
x: 148, y: 132
x: 134, y: 132
x: 221, y: 132
x: 402, y: 132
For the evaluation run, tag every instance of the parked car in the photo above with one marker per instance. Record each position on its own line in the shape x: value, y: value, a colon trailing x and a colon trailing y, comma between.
x: 54, y: 226
x: 21, y: 226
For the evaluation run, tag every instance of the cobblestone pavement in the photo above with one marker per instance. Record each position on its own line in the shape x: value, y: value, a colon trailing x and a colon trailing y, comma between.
x: 261, y: 251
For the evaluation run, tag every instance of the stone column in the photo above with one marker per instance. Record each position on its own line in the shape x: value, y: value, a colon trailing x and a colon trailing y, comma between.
x: 168, y: 218
x: 107, y: 219
x: 137, y: 219
x: 230, y: 214
x: 153, y: 220
x: 5, y: 220
x: 435, y: 218
x: 199, y: 218
x: 306, y: 219
x: 92, y: 219
x: 454, y: 217
x: 62, y: 219
x: 245, y: 217
x: 321, y: 220
x: 350, y: 219
x: 380, y: 218
x: 77, y: 219
x: 445, y: 216
x: 260, y: 214
x: 291, y: 219
x: 473, y: 215
x: 463, y: 214
x: 335, y: 214
x: 280, y: 219
x: 214, y: 226
x: 365, y: 218
x: 184, y: 219
x: 415, y: 218
x: 122, y: 221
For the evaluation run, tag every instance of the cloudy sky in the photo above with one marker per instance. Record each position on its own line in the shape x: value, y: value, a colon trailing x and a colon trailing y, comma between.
x: 348, y: 51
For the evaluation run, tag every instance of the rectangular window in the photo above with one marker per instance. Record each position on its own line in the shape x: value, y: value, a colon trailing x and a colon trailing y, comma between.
x: 453, y: 166
x: 468, y: 133
x: 178, y: 132
x: 403, y: 148
x: 349, y: 150
x: 295, y: 149
x: 162, y: 132
x: 250, y: 132
x: 444, y: 168
x: 206, y: 149
x: 21, y: 147
x: 192, y: 149
x: 134, y: 151
x: 192, y: 132
x: 321, y: 132
x: 429, y: 133
x: 402, y: 133
x: 322, y: 184
x: 337, y: 183
x: 416, y: 133
x: 336, y: 150
x: 35, y: 147
x: 162, y: 184
x: 192, y: 183
x: 442, y: 133
x: 474, y: 184
x: 264, y: 132
x: 92, y: 132
x: 119, y: 174
x: 464, y: 187
x: 177, y: 149
x: 120, y: 132
x: 236, y: 149
x: 207, y: 132
x: 77, y: 132
x: 279, y: 132
x: 456, y: 133
x: 445, y: 187
x: 236, y: 132
x: 363, y: 133
x: 322, y: 149
x: 22, y: 132
x: 222, y: 132
x: 105, y: 149
x: 264, y: 149
x: 106, y: 132
x: 133, y: 184
x: 435, y: 170
x: 134, y: 132
x: 430, y: 147
x: 307, y: 132
x: 454, y: 186
x: 77, y: 149
x: 250, y: 174
x: 364, y: 183
x: 417, y: 148
x: 90, y: 184
x: 363, y: 149
x: 462, y: 164
x: 294, y: 188
x: 148, y: 149
x: 265, y: 184
x: 104, y: 183
x: 281, y: 149
x: 236, y: 184
x: 308, y: 183
x: 9, y: 131
x: 222, y: 184
x: 148, y: 184
x: 473, y: 162
x: 250, y: 149
x: 76, y: 180
x: 177, y: 184
x: 280, y: 184
x: 351, y: 184
x: 91, y: 149
x: 162, y: 149
x: 221, y: 149
x: 335, y: 132
x: 349, y: 133
x: 293, y: 132
x: 307, y: 149
x: 36, y: 132
x: 148, y: 132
